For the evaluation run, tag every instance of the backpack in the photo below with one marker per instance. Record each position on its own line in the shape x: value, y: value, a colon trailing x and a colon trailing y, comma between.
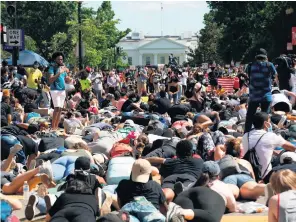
x: 120, y: 149
x: 228, y: 166
x: 253, y: 158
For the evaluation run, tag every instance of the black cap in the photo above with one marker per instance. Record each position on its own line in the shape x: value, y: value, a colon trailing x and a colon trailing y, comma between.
x: 82, y: 163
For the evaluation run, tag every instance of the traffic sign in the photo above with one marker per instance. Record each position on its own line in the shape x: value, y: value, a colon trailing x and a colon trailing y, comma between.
x: 14, y: 37
x: 9, y: 48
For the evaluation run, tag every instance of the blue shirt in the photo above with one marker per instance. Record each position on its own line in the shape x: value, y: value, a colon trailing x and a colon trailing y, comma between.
x: 59, y: 83
x: 261, y: 76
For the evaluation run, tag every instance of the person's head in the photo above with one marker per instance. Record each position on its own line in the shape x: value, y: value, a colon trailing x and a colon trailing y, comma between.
x: 81, y: 146
x: 233, y: 147
x: 283, y: 180
x: 184, y: 149
x: 69, y: 115
x: 162, y: 94
x: 117, y: 95
x: 261, y: 55
x: 30, y: 107
x: 141, y: 171
x: 4, y: 72
x: 144, y: 93
x: 110, y: 97
x: 142, y: 138
x: 261, y: 120
x: 122, y: 94
x: 82, y: 163
x: 84, y: 74
x: 134, y: 97
x: 58, y: 57
x: 288, y: 158
x: 210, y: 172
x: 6, y: 99
x: 36, y: 65
x: 219, y: 87
x: 175, y: 79
x: 111, y: 74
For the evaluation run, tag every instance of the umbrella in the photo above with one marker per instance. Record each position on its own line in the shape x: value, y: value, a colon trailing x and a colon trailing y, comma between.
x: 27, y: 58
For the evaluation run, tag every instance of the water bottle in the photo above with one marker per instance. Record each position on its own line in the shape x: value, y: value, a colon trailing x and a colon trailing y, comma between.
x: 26, y: 191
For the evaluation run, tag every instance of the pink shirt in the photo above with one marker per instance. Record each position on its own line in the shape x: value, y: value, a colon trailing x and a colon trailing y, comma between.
x: 120, y: 103
x: 223, y: 189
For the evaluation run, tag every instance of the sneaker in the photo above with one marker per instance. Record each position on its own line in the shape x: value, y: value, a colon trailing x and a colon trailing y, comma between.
x: 16, y: 148
x: 106, y: 206
x: 31, y: 207
x: 46, y: 168
x: 173, y: 209
x: 178, y: 188
x: 49, y: 201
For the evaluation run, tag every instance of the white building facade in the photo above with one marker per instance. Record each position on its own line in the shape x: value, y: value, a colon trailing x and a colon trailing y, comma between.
x: 154, y: 50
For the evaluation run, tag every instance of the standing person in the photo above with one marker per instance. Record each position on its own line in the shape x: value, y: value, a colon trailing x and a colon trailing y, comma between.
x: 112, y: 82
x: 213, y: 78
x: 97, y: 82
x: 57, y: 74
x: 34, y: 76
x: 184, y: 77
x: 261, y: 74
x: 141, y: 77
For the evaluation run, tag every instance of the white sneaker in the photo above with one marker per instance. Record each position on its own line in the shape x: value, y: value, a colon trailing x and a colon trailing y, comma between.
x: 46, y: 168
x: 16, y: 148
x: 173, y: 211
x: 31, y: 207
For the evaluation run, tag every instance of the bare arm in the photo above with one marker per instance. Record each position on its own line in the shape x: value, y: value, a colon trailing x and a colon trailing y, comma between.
x: 14, y: 203
x: 156, y: 160
x: 289, y: 146
x: 272, y: 209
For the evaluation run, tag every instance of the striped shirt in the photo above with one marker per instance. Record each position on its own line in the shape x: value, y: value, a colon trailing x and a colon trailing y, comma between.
x: 261, y: 76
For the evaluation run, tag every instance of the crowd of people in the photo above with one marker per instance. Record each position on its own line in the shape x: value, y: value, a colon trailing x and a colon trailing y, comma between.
x: 149, y: 144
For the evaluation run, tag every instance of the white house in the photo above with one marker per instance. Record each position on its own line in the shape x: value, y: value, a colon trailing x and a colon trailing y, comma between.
x: 154, y: 50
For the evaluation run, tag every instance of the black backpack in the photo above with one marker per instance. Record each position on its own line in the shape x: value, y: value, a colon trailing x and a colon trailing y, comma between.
x: 253, y: 158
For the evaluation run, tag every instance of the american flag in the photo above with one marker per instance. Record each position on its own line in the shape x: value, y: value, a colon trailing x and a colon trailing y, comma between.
x: 226, y: 83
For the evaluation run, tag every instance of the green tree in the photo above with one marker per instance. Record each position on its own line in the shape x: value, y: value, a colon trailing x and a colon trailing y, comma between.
x: 41, y: 20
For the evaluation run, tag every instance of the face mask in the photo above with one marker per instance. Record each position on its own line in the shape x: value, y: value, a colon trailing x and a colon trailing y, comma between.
x: 269, y: 128
x: 14, y: 72
x: 35, y: 67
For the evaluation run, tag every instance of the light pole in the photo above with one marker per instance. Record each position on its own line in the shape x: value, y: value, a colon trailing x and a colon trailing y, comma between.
x: 79, y: 36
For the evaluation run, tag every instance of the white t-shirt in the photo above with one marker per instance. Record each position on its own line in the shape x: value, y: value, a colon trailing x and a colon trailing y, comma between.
x: 184, y: 78
x: 281, y: 97
x: 98, y: 82
x: 292, y: 82
x: 264, y: 148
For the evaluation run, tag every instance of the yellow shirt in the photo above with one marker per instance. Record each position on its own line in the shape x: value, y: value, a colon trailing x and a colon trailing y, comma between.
x: 33, y: 74
x: 85, y: 84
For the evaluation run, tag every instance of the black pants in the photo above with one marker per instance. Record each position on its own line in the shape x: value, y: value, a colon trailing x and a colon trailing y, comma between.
x: 207, y: 205
x: 73, y: 214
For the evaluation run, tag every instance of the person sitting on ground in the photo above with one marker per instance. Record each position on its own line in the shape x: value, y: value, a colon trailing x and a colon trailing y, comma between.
x: 94, y: 104
x: 133, y: 103
x: 282, y: 204
x: 181, y: 172
x: 71, y: 124
x: 210, y: 178
x: 160, y: 105
x: 264, y: 141
x: 121, y: 101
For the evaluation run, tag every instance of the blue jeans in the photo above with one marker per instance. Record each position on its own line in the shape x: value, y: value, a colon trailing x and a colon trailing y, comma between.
x: 7, y: 142
x: 63, y: 167
x: 143, y: 210
x: 252, y: 109
x: 238, y: 179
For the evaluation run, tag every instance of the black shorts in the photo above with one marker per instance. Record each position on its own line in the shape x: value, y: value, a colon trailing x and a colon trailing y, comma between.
x: 6, y: 178
x: 170, y: 181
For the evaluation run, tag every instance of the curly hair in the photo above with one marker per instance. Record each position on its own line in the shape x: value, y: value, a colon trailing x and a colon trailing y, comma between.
x: 233, y: 147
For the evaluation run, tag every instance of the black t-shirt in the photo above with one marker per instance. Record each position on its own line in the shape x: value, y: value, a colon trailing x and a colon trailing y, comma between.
x: 88, y: 202
x: 179, y: 109
x: 162, y: 105
x: 90, y: 179
x: 189, y: 166
x: 197, y: 105
x: 5, y: 109
x: 128, y: 189
x: 127, y: 106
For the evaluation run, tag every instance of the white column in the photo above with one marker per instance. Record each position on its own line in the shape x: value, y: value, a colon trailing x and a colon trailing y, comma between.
x: 155, y: 59
x: 140, y: 59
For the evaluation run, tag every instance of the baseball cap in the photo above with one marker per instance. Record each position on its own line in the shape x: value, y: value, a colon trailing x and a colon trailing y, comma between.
x: 261, y: 53
x: 141, y: 171
x: 285, y: 155
x: 129, y: 123
x: 82, y: 163
x: 211, y: 167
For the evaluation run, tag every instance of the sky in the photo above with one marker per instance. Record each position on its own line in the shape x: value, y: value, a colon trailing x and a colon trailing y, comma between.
x: 145, y: 16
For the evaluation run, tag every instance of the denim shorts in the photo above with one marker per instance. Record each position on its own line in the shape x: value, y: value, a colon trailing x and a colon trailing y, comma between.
x: 238, y: 179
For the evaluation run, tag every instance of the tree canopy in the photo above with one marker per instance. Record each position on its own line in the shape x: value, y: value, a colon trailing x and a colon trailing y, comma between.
x: 235, y: 30
x: 51, y: 26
